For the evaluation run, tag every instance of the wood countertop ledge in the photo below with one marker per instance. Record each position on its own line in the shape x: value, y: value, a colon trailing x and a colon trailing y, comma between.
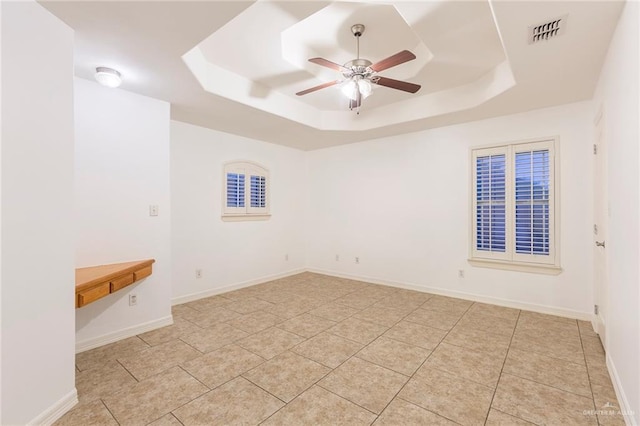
x: 95, y: 282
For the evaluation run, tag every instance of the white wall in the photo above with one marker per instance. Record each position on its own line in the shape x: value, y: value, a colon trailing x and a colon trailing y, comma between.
x: 122, y: 167
x: 231, y: 254
x: 401, y: 205
x: 618, y: 93
x: 37, y: 217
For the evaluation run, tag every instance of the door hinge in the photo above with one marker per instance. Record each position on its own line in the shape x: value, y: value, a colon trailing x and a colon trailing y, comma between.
x: 595, y: 309
x: 595, y: 149
x: 595, y: 229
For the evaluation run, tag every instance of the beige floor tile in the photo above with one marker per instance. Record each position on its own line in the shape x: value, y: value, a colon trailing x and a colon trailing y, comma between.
x: 287, y: 375
x: 379, y: 315
x: 166, y: 420
x: 154, y: 397
x: 222, y: 365
x: 212, y: 316
x: 293, y: 308
x: 158, y: 358
x: 102, y: 381
x: 92, y: 413
x: 434, y: 318
x: 255, y: 321
x: 99, y: 356
x: 449, y: 305
x: 559, y: 325
x: 334, y: 312
x: 238, y: 402
x: 270, y: 342
x: 480, y: 367
x: 608, y: 408
x: 401, y: 412
x: 208, y: 303
x: 402, y: 302
x: 598, y: 372
x: 534, y: 316
x: 276, y: 296
x: 317, y: 406
x: 495, y: 310
x: 592, y: 345
x: 541, y: 404
x: 212, y: 338
x: 170, y: 332
x: 306, y: 325
x: 586, y: 329
x: 416, y: 334
x: 357, y: 299
x: 498, y: 418
x: 183, y: 311
x: 558, y: 373
x: 550, y: 344
x: 358, y: 330
x: 363, y: 383
x: 248, y: 305
x: 394, y: 355
x: 483, y: 341
x: 485, y: 322
x: 328, y: 349
x: 457, y: 399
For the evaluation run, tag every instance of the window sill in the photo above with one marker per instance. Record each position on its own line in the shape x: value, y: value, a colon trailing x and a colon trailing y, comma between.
x: 535, y: 268
x: 244, y: 217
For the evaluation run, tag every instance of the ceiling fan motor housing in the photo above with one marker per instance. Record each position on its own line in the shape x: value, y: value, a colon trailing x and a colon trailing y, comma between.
x: 357, y: 67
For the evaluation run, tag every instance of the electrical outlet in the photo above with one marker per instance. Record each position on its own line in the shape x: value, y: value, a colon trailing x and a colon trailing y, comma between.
x: 198, y: 273
x: 460, y: 273
x: 153, y: 210
x: 357, y: 260
x: 133, y: 300
x: 337, y: 258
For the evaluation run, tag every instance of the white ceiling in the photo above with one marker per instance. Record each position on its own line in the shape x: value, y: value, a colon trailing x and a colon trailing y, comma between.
x: 236, y: 66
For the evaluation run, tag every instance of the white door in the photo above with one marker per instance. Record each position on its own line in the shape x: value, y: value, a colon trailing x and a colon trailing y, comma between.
x: 600, y: 220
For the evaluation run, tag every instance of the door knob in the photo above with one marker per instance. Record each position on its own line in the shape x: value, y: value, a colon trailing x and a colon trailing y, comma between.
x: 600, y: 244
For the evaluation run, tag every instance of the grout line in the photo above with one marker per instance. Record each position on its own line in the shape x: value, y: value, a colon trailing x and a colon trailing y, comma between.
x: 495, y: 390
x: 112, y: 415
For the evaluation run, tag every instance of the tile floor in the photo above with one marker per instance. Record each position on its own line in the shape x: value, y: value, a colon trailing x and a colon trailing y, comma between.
x: 311, y: 350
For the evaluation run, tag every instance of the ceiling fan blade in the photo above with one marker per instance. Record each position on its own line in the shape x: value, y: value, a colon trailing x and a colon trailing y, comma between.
x: 325, y: 63
x: 393, y: 60
x: 397, y: 84
x: 318, y: 87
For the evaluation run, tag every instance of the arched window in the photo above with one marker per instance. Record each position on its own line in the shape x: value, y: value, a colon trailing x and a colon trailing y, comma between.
x: 245, y: 190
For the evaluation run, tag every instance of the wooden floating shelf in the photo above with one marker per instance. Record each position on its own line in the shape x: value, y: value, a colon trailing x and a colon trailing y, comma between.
x: 96, y: 282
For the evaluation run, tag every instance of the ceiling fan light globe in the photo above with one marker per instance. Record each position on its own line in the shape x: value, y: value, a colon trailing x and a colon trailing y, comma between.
x: 350, y: 89
x: 365, y: 88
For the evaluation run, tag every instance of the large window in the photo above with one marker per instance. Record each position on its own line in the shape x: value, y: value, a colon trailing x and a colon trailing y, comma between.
x: 514, y: 206
x: 245, y: 191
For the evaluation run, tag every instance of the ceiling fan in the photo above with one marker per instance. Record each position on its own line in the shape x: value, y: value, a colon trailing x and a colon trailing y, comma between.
x: 360, y: 73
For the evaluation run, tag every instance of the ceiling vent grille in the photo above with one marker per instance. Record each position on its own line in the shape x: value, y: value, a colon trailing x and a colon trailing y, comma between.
x: 547, y: 30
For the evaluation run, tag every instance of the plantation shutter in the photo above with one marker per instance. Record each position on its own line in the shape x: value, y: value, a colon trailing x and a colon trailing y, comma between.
x: 490, y: 204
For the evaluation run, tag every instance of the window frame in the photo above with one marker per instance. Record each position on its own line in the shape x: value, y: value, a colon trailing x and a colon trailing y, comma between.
x: 510, y: 260
x: 248, y: 169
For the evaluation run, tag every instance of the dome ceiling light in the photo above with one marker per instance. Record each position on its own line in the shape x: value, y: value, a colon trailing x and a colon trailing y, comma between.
x: 108, y: 77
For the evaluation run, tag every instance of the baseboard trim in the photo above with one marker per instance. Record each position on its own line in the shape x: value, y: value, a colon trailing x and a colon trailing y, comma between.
x: 57, y: 410
x: 105, y: 339
x: 543, y: 309
x: 212, y: 292
x: 630, y: 418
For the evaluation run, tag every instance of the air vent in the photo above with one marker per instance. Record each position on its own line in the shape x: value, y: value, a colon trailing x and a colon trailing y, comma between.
x: 547, y: 30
